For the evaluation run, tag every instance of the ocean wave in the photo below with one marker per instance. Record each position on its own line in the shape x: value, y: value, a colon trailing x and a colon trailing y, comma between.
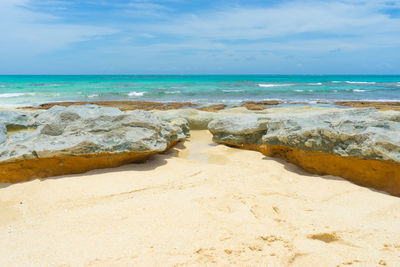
x: 232, y: 91
x: 173, y: 92
x: 350, y: 82
x: 274, y: 84
x: 299, y: 90
x: 136, y: 93
x: 360, y: 90
x: 7, y: 95
x: 94, y: 95
x: 336, y: 81
x: 46, y: 84
x: 314, y: 83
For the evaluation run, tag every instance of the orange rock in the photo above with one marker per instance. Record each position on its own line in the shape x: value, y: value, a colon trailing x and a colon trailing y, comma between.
x: 260, y: 105
x: 213, y: 108
x: 370, y: 104
x: 20, y: 170
x: 122, y: 105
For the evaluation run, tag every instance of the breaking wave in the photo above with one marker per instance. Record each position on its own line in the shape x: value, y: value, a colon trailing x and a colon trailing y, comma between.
x: 314, y: 83
x: 136, y: 93
x: 6, y: 95
x: 274, y: 84
x: 350, y: 82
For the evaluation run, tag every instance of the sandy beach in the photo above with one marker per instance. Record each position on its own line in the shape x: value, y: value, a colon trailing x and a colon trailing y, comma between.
x: 198, y: 204
x: 199, y: 133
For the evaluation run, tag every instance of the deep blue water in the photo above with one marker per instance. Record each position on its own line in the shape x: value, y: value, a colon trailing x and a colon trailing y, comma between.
x: 231, y: 89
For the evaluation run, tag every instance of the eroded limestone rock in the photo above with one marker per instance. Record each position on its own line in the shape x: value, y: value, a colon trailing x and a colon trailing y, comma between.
x: 197, y: 119
x: 362, y: 145
x: 3, y: 133
x: 15, y: 120
x: 75, y: 139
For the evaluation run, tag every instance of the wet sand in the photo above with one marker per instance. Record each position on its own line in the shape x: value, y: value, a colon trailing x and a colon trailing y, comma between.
x: 201, y: 204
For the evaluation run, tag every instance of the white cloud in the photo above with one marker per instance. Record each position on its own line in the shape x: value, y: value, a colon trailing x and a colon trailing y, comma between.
x: 27, y: 33
x: 276, y: 36
x: 146, y: 5
x: 335, y: 18
x: 337, y: 32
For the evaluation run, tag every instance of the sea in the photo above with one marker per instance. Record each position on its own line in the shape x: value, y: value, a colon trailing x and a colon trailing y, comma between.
x: 18, y: 91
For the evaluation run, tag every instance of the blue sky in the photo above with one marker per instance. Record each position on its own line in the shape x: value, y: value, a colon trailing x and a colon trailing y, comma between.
x: 199, y: 37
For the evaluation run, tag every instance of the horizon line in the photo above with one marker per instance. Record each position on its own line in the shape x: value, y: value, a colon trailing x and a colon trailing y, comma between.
x: 355, y: 74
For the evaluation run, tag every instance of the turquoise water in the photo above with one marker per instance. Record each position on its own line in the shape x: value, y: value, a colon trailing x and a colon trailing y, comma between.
x: 230, y: 89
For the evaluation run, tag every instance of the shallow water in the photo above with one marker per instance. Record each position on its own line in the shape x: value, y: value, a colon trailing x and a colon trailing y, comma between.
x: 230, y: 89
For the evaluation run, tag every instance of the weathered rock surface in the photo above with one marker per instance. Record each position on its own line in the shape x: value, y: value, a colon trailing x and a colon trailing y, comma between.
x: 370, y: 104
x: 3, y: 133
x: 250, y: 105
x: 198, y: 120
x: 15, y: 120
x: 122, y: 105
x: 362, y: 145
x: 213, y: 108
x: 76, y: 139
x: 260, y: 105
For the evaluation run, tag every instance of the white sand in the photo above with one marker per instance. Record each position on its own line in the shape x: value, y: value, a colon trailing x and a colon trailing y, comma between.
x: 212, y: 205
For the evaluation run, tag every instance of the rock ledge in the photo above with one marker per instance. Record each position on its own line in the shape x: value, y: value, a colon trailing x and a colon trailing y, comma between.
x: 361, y: 145
x: 76, y: 139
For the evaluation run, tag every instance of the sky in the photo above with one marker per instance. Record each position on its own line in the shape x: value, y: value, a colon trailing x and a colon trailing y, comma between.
x: 199, y: 37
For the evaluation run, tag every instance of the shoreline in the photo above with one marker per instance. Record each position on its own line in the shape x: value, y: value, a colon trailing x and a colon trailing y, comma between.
x: 125, y: 105
x: 225, y: 206
x: 87, y: 151
x: 194, y: 201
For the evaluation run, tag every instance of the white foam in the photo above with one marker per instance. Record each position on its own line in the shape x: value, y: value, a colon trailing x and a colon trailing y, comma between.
x: 350, y: 82
x: 136, y: 93
x: 274, y: 84
x: 336, y: 81
x: 299, y: 90
x: 359, y: 90
x: 6, y: 95
x: 314, y: 83
x: 94, y: 95
x: 173, y: 92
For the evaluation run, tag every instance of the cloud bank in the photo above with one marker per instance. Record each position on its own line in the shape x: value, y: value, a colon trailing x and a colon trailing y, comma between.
x: 173, y: 37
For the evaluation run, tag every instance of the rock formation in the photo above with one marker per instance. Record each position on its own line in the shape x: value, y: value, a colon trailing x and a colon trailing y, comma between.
x: 361, y: 145
x: 394, y: 105
x: 76, y: 139
x: 260, y: 105
x: 3, y: 133
x: 122, y: 105
x: 15, y: 120
x: 197, y: 119
x: 213, y: 108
